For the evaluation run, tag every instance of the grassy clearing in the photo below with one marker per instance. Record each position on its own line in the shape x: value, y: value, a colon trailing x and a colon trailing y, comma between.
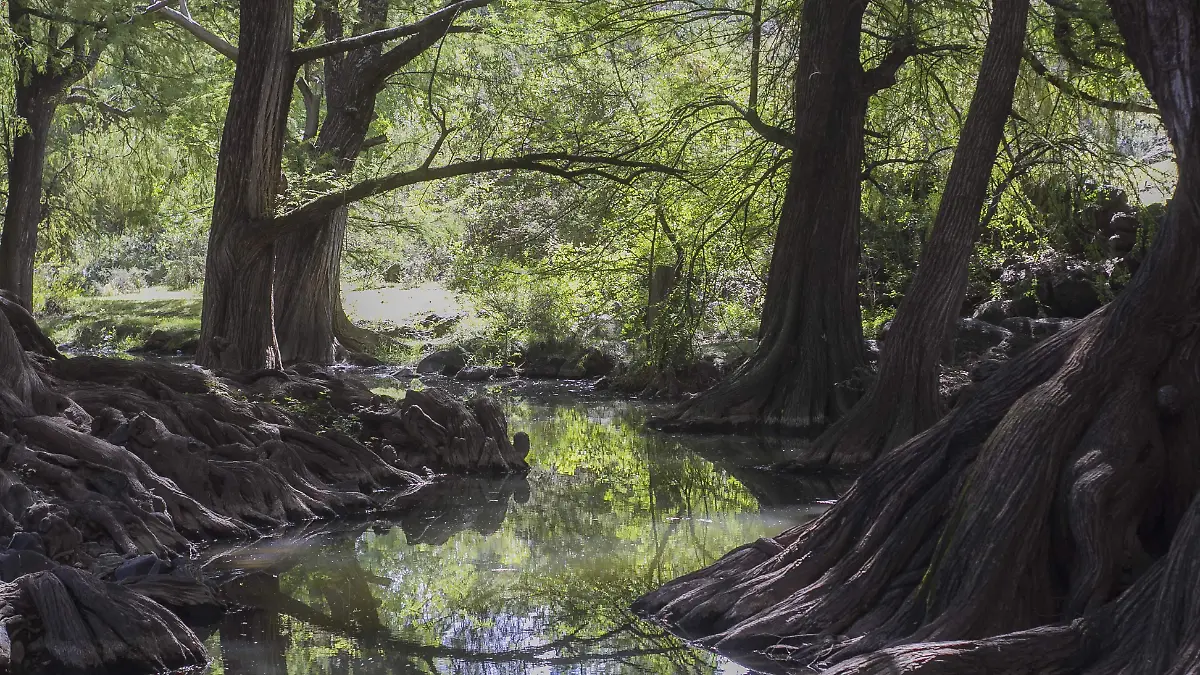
x: 122, y: 322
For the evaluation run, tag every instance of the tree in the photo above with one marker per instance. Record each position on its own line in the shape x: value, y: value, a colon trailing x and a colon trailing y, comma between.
x: 309, y: 305
x: 1048, y: 524
x: 904, y: 398
x: 43, y: 75
x: 810, y: 338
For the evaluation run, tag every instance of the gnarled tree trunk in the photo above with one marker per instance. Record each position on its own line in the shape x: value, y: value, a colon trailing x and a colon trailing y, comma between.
x: 811, y: 331
x: 237, y: 325
x: 904, y: 399
x: 1050, y: 523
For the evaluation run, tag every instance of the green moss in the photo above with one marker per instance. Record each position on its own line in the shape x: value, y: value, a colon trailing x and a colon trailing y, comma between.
x: 124, y: 323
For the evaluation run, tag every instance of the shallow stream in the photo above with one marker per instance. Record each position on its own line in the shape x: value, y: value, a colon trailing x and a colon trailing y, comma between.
x: 529, y: 574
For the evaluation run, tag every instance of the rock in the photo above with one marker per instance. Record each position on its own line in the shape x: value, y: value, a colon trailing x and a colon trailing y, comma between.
x: 992, y: 311
x: 1025, y: 306
x: 140, y: 566
x: 597, y: 363
x: 362, y: 359
x: 404, y: 374
x: 443, y: 362
x: 543, y: 366
x: 1075, y: 297
x: 26, y: 541
x: 520, y: 443
x: 984, y: 369
x: 602, y: 384
x: 157, y: 341
x: 1044, y: 328
x: 975, y: 337
x: 15, y: 564
x: 1169, y: 400
x: 474, y: 374
x: 505, y: 372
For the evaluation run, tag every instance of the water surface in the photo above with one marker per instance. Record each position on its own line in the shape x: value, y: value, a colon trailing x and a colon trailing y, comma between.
x: 521, y: 575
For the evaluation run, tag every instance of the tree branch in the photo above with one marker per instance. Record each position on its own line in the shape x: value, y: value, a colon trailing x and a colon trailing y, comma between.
x: 448, y: 13
x: 223, y: 46
x: 767, y: 131
x: 540, y: 162
x: 1071, y: 90
x: 883, y: 75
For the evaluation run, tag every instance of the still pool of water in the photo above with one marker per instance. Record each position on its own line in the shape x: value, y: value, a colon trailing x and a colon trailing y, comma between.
x: 529, y: 574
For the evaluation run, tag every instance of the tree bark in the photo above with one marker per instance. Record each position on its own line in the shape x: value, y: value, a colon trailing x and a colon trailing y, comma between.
x: 811, y: 330
x: 904, y: 399
x: 237, y: 323
x: 311, y: 261
x: 310, y: 310
x: 38, y: 90
x: 23, y: 214
x: 1051, y: 523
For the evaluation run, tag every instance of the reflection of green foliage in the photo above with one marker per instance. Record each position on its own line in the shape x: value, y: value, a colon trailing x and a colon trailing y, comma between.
x: 613, y: 512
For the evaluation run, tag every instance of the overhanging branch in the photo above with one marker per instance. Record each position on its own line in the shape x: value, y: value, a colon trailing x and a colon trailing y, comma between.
x: 550, y: 163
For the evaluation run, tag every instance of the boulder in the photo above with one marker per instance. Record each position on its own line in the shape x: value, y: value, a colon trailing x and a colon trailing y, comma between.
x: 443, y: 362
x: 596, y: 363
x: 992, y: 311
x: 1024, y: 305
x: 542, y: 366
x: 404, y: 374
x: 975, y: 337
x: 475, y: 374
x: 1075, y: 297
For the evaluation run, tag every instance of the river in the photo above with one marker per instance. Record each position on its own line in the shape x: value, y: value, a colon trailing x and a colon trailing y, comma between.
x: 519, y: 575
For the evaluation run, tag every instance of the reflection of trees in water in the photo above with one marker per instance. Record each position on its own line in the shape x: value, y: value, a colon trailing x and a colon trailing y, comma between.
x: 546, y: 582
x: 333, y: 600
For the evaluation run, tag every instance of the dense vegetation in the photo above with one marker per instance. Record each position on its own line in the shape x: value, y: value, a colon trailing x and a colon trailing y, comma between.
x: 832, y: 184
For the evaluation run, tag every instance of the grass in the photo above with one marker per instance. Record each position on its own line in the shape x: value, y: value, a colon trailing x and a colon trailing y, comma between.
x: 121, y: 323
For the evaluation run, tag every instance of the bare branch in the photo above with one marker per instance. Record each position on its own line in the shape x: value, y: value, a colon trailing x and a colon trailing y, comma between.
x: 335, y: 47
x: 223, y: 46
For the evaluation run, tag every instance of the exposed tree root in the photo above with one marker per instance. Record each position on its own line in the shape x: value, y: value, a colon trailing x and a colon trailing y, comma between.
x: 104, y: 461
x: 1049, y: 524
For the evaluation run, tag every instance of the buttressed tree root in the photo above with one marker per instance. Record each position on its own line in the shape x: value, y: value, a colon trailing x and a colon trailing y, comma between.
x: 112, y: 470
x: 1051, y: 524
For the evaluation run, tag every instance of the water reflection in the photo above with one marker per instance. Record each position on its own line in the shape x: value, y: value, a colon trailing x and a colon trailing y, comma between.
x: 520, y: 575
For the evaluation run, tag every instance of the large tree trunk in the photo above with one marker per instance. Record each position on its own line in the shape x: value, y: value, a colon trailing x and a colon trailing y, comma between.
x: 309, y: 304
x: 1050, y: 523
x: 237, y: 324
x: 23, y: 214
x: 811, y: 330
x: 904, y: 399
x: 310, y: 309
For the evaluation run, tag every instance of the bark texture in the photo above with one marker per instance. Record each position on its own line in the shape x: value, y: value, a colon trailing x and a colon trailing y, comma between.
x: 111, y: 470
x: 1049, y: 524
x: 811, y: 334
x: 309, y: 303
x: 904, y: 399
x: 237, y: 324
